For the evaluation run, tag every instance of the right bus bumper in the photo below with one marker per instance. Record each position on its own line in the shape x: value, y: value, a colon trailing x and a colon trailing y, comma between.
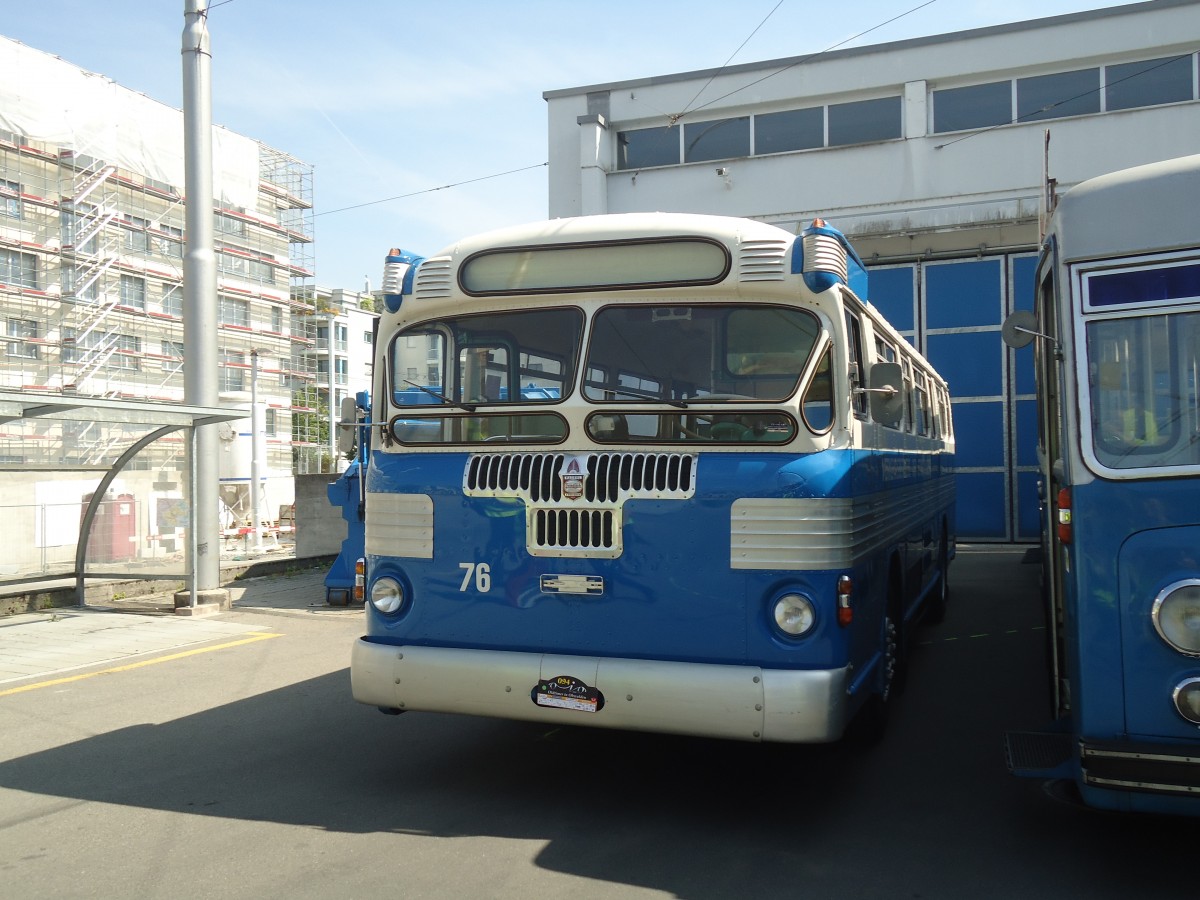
x: 738, y: 702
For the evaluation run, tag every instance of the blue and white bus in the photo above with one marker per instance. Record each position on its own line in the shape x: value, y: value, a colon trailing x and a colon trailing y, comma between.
x: 1117, y: 354
x: 650, y: 471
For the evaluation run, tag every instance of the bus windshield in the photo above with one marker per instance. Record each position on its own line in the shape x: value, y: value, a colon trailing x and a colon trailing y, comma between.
x: 1145, y: 404
x: 697, y: 354
x: 520, y: 356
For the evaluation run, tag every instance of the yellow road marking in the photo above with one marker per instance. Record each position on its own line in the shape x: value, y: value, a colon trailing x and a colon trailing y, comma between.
x: 137, y: 665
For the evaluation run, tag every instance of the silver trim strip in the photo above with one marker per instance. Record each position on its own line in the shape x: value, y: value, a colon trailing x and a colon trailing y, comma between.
x: 829, y: 533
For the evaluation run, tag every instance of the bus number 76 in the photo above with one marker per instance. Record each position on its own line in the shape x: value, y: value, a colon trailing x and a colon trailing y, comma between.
x: 482, y: 573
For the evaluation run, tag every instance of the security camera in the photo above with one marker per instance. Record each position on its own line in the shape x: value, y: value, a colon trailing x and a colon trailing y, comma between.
x: 722, y: 171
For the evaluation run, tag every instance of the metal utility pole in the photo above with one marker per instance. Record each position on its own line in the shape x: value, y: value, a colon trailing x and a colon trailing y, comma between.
x: 333, y: 451
x: 200, y: 300
x: 257, y: 427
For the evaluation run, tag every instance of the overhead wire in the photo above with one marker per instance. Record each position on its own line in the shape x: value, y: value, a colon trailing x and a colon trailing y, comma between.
x: 725, y: 64
x: 677, y: 116
x: 442, y: 187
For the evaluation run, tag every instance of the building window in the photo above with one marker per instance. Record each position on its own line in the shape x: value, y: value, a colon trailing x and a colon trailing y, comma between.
x: 794, y: 129
x: 172, y: 300
x: 26, y: 330
x: 127, y: 351
x: 170, y: 243
x: 72, y: 286
x: 18, y: 269
x: 74, y: 224
x: 977, y: 106
x: 277, y: 319
x: 270, y: 421
x: 118, y: 351
x: 232, y: 374
x: 1055, y: 96
x: 136, y: 238
x: 133, y: 291
x: 1148, y: 83
x: 10, y: 199
x: 341, y: 337
x: 864, y: 121
x: 233, y: 312
x: 173, y: 351
x: 224, y: 224
x: 646, y: 147
x: 719, y: 139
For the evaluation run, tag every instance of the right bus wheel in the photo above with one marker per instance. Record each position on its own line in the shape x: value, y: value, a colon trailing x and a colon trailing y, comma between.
x: 936, y: 608
x: 870, y: 725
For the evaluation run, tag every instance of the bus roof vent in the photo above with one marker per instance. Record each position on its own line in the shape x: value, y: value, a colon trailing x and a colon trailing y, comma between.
x: 763, y: 260
x: 433, y: 280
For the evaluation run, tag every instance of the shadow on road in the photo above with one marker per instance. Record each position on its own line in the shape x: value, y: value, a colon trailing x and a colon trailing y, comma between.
x: 929, y: 812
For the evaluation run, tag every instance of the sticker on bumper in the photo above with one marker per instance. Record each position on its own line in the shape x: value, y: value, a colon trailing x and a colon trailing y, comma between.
x: 565, y: 692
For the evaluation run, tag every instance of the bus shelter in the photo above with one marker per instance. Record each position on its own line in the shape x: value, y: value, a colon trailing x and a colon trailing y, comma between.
x: 95, y: 487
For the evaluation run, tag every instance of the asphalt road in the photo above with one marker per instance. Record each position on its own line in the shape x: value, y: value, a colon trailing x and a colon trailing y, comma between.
x: 243, y: 768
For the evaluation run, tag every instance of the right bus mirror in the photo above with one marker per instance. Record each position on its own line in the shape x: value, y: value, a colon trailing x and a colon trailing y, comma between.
x: 887, y: 393
x: 1019, y: 329
x: 347, y: 429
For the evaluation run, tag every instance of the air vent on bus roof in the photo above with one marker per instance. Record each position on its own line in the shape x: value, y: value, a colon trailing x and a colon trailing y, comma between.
x: 433, y: 279
x: 763, y: 260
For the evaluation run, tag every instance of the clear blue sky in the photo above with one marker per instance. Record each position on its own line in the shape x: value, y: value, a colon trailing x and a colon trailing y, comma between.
x: 386, y: 97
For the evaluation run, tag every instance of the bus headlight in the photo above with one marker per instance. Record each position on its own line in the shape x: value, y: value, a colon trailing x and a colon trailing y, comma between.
x: 1176, y: 615
x: 1187, y: 699
x: 387, y: 596
x: 794, y: 614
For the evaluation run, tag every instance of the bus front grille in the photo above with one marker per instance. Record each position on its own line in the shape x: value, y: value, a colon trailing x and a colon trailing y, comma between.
x: 610, y: 477
x: 584, y: 519
x: 573, y: 529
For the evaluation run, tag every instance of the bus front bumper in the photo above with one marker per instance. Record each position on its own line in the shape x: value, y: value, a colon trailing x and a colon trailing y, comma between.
x: 738, y: 702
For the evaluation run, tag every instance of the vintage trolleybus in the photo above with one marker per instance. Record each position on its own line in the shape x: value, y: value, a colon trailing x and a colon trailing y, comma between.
x: 656, y: 471
x: 1117, y: 338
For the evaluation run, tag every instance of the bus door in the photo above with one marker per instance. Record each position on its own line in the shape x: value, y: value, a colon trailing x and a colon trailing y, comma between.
x: 1051, y: 388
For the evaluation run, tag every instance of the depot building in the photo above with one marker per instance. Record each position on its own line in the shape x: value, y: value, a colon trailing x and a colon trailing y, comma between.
x: 937, y: 156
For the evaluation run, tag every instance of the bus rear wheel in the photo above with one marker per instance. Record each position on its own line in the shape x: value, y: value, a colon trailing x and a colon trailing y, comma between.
x: 870, y: 725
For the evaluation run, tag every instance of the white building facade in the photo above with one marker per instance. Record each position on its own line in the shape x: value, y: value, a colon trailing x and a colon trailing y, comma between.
x: 932, y: 155
x: 92, y: 217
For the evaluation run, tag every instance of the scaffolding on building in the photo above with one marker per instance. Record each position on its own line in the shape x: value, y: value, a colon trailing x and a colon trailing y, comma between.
x: 91, y: 284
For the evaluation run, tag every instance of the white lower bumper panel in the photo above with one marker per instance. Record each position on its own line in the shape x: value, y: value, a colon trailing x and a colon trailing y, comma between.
x: 738, y: 702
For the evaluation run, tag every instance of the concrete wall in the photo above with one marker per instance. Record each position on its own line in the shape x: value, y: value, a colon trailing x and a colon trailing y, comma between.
x: 320, y: 528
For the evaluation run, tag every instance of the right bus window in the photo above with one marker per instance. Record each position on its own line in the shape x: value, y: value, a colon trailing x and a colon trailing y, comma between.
x: 1142, y: 378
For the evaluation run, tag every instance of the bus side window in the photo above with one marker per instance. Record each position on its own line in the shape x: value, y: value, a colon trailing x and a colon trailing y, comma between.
x: 818, y: 397
x: 858, y: 399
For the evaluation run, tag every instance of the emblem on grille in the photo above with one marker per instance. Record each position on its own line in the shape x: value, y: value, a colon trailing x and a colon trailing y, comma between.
x: 573, y: 474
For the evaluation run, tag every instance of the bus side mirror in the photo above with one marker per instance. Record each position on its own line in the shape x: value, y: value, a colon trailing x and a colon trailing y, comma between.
x: 347, y: 429
x: 1019, y: 329
x: 887, y: 393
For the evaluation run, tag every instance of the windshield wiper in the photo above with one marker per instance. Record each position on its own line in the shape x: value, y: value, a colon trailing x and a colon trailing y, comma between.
x: 468, y: 407
x: 646, y: 395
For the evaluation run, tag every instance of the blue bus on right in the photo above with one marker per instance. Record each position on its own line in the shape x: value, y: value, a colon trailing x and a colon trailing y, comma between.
x: 1116, y: 336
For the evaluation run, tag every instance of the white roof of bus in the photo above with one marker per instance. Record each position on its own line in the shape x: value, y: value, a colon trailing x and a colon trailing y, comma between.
x: 1136, y: 210
x: 618, y: 225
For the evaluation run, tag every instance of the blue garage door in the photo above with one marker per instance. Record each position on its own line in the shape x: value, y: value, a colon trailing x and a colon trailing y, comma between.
x: 952, y: 311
